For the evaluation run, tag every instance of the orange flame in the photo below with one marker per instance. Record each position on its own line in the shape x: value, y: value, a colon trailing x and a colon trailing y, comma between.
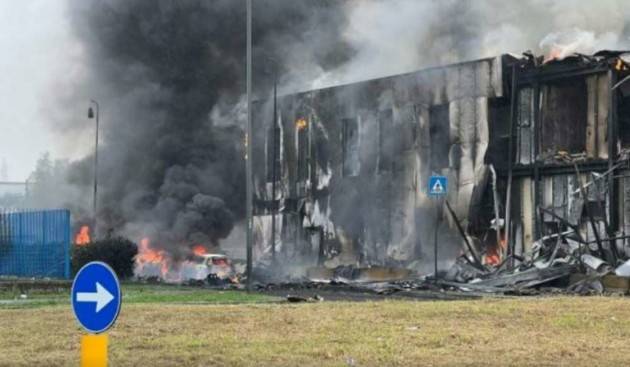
x: 83, y: 237
x: 301, y: 124
x: 556, y: 53
x: 199, y: 250
x: 148, y: 255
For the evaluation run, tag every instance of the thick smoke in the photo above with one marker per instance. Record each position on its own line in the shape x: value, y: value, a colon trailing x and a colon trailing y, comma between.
x: 388, y: 37
x: 170, y: 75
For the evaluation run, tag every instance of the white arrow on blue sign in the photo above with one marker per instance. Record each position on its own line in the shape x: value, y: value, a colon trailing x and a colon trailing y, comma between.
x: 96, y: 297
x: 437, y: 185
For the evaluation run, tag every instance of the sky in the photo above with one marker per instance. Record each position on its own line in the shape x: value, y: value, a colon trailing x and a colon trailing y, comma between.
x: 39, y: 53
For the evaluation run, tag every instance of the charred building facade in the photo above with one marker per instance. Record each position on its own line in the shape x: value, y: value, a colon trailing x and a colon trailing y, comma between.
x: 341, y: 173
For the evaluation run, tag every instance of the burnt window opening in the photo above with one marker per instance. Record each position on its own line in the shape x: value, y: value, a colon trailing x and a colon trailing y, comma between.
x: 596, y: 209
x: 273, y: 154
x: 350, y: 146
x: 408, y: 130
x: 623, y: 117
x: 525, y: 109
x: 439, y: 134
x: 564, y: 116
x: 385, y: 141
x: 499, y: 128
x: 303, y: 149
x: 524, y: 139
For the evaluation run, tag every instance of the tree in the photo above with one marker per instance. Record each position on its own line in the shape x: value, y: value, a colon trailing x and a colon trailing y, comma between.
x: 4, y: 171
x: 47, y: 184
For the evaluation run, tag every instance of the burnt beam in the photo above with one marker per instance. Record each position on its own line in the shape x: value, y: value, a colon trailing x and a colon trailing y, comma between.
x: 511, y: 158
x: 613, y: 134
x: 555, y: 169
x: 531, y: 77
x: 613, y: 185
x: 537, y: 139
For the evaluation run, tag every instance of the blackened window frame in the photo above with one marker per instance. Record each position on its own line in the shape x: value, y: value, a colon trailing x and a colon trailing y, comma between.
x: 345, y: 141
x: 439, y: 130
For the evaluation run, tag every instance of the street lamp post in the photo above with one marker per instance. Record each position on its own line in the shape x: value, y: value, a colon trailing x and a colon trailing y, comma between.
x: 274, y: 151
x: 274, y: 178
x: 248, y: 162
x: 91, y: 115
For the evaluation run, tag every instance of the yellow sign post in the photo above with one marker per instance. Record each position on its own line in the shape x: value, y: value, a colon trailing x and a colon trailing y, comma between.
x: 94, y: 350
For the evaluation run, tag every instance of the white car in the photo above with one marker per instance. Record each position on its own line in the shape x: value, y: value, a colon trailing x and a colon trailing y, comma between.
x: 216, y: 268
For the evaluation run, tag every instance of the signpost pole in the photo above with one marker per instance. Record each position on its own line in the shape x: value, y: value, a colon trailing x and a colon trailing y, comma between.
x: 438, y: 221
x: 437, y: 189
x: 94, y: 350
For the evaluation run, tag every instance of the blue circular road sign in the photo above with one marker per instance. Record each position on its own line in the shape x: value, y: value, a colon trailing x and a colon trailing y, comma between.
x: 96, y: 297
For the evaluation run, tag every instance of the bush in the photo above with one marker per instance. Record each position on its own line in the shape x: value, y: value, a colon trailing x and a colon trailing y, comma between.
x: 116, y: 252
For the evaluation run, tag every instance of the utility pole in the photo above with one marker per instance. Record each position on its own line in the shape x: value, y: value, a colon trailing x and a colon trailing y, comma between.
x: 94, y: 211
x: 249, y: 141
x: 274, y: 172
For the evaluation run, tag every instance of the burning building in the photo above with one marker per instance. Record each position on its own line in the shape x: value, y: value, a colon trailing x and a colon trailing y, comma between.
x: 531, y: 146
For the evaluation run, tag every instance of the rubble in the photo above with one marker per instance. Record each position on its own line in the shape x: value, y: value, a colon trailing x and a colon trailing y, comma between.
x: 552, y: 259
x: 299, y: 299
x: 623, y: 270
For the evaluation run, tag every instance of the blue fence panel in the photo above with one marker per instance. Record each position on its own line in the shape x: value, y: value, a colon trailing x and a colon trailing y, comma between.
x: 35, y: 244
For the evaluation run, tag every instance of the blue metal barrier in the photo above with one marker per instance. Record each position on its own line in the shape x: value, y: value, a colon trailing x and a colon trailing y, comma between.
x: 35, y: 243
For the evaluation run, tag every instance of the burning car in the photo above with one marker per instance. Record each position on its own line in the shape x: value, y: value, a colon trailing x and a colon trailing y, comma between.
x: 216, y: 269
x: 198, y: 267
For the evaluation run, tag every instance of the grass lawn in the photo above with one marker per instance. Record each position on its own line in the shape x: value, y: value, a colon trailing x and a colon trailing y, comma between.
x: 133, y: 293
x: 159, y: 326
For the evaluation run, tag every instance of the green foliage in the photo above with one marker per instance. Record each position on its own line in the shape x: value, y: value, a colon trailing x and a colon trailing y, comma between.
x: 117, y: 252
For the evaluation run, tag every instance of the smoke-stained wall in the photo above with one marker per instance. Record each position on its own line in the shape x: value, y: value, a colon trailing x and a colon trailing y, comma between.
x: 356, y: 159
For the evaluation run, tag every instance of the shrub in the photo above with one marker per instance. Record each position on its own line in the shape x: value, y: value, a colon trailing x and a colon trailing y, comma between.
x: 117, y: 252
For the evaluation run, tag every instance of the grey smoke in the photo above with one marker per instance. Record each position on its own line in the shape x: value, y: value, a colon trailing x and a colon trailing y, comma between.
x: 170, y: 77
x: 389, y: 37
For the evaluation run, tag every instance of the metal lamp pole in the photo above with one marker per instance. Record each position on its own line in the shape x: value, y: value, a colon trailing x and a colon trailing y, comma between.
x: 249, y: 141
x: 274, y: 153
x: 90, y: 116
x: 274, y: 174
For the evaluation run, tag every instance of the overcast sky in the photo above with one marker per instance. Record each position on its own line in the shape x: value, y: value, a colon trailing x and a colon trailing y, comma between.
x: 37, y: 53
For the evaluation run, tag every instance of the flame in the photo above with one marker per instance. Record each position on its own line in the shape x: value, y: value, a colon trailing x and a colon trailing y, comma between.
x: 493, y: 256
x: 83, y: 237
x: 301, y: 124
x: 199, y: 250
x: 155, y: 263
x: 555, y: 53
x: 149, y: 256
x: 620, y: 65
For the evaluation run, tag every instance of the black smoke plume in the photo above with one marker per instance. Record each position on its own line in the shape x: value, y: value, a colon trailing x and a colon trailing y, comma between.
x: 169, y: 76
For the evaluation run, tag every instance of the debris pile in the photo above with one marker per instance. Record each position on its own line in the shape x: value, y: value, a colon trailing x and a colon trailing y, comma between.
x: 565, y: 260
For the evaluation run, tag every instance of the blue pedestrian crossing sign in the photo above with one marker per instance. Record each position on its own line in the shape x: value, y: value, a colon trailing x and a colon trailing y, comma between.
x: 438, y: 185
x: 96, y: 297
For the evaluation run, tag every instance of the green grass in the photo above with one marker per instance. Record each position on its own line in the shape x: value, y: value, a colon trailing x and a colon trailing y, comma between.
x: 549, y: 331
x: 189, y: 295
x: 134, y: 293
